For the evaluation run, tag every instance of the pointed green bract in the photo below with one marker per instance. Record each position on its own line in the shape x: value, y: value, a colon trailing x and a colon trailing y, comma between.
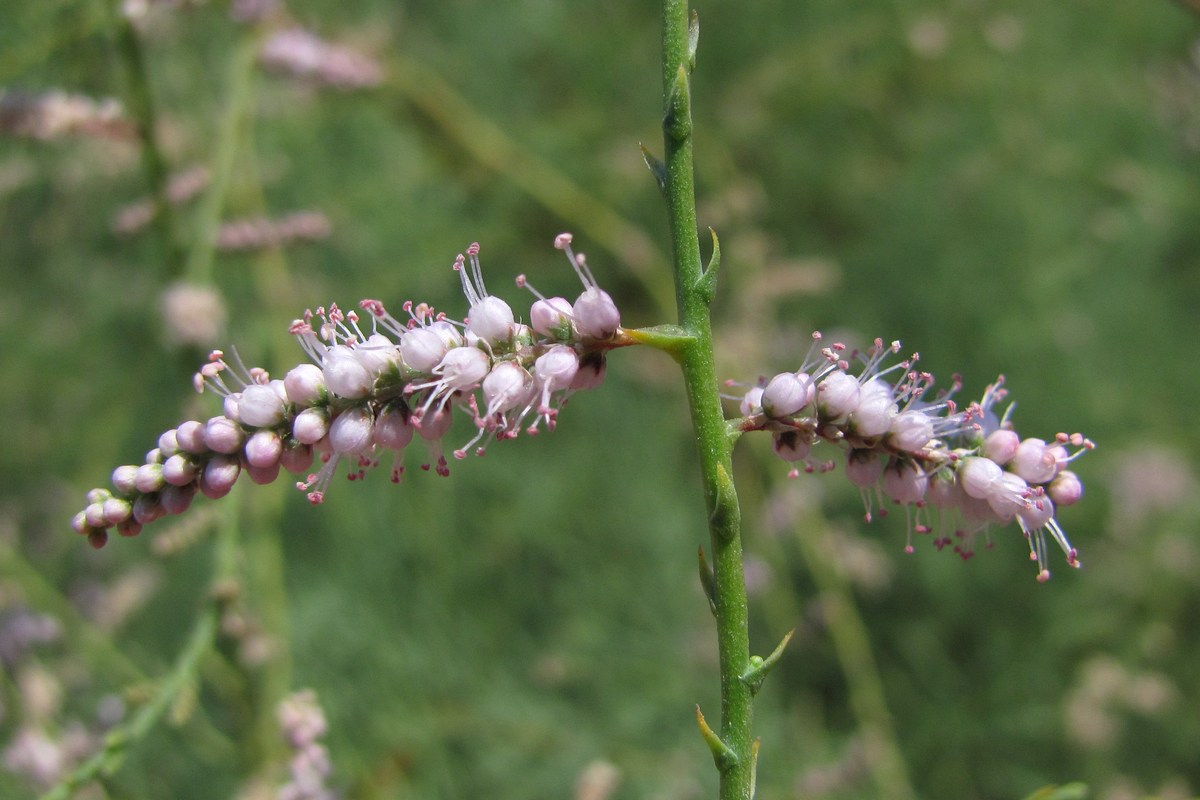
x: 759, y: 667
x: 657, y: 168
x: 707, y: 285
x: 723, y: 755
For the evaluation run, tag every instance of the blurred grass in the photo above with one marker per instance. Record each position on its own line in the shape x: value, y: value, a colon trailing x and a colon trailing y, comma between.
x: 1005, y: 189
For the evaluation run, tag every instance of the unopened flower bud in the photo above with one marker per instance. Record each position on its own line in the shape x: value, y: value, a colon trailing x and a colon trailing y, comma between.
x: 875, y: 411
x: 1066, y: 489
x: 123, y: 478
x: 345, y: 375
x: 905, y: 482
x: 117, y: 510
x: 551, y: 318
x: 190, y: 437
x: 838, y: 395
x: 149, y: 478
x: 220, y: 474
x: 1034, y: 462
x: 787, y: 394
x: 977, y: 474
x: 1000, y: 446
x: 260, y: 407
x: 168, y: 445
x: 94, y: 514
x: 422, y: 349
x: 1007, y: 495
x: 910, y: 431
x: 791, y: 446
x: 351, y: 431
x: 147, y: 508
x: 297, y: 458
x: 223, y: 435
x: 311, y: 425
x: 263, y: 449
x: 177, y: 499
x: 305, y: 384
x: 263, y: 475
x: 595, y: 314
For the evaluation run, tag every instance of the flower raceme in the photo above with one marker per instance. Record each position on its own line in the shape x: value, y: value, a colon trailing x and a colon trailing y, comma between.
x: 955, y: 472
x: 373, y: 382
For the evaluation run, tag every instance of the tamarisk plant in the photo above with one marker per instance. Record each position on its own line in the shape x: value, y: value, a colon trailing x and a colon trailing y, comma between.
x: 375, y: 381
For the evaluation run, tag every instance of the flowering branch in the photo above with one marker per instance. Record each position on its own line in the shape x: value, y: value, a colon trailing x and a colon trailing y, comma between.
x: 375, y: 382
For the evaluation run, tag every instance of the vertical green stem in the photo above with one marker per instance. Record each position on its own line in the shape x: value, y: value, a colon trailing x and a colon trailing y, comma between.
x: 199, y: 264
x: 143, y: 111
x: 693, y: 295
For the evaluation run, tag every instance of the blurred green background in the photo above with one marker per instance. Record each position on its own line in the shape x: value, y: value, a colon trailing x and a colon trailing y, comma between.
x: 1007, y: 187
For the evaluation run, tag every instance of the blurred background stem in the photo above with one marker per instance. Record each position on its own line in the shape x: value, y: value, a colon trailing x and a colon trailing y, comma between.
x: 208, y: 215
x: 182, y: 678
x: 852, y: 644
x: 142, y: 109
x: 486, y: 142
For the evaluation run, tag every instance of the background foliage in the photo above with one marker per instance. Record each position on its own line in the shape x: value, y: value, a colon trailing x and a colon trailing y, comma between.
x: 1007, y: 187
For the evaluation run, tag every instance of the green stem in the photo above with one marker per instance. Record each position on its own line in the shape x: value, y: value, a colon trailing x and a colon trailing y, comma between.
x: 695, y: 357
x: 145, y: 117
x: 183, y: 675
x: 208, y: 215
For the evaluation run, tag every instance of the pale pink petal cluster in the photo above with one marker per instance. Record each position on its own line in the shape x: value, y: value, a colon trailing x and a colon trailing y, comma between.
x: 56, y: 114
x: 303, y: 54
x: 373, y: 383
x: 956, y: 472
x: 303, y: 724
